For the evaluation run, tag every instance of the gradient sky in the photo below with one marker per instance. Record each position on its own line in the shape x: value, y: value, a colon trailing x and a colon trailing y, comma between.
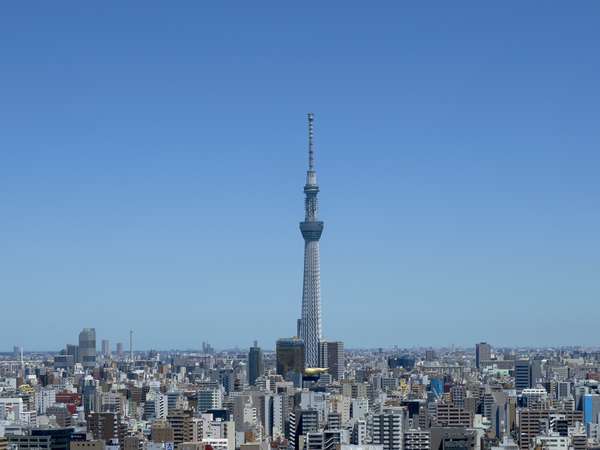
x: 153, y: 154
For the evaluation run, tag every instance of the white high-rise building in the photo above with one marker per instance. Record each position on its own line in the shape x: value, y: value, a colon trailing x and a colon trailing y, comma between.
x: 552, y: 441
x: 360, y: 407
x: 279, y: 415
x: 44, y: 398
x: 221, y: 433
x: 341, y: 404
x: 161, y: 406
x: 157, y: 404
x: 11, y: 408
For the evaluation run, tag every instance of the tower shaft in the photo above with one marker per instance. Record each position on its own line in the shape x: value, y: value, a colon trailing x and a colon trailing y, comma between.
x: 311, y: 228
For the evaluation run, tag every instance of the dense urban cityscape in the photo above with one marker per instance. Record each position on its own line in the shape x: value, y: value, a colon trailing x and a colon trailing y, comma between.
x: 382, y: 399
x: 304, y: 393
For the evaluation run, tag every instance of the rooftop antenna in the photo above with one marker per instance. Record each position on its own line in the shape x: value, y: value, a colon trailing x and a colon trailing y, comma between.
x: 22, y: 363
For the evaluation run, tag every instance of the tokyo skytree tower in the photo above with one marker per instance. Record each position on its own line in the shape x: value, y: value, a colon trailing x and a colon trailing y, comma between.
x: 309, y: 326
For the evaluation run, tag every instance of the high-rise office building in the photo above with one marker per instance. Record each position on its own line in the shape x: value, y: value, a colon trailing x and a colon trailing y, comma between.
x: 331, y: 355
x: 483, y: 352
x: 522, y: 374
x: 73, y: 350
x: 536, y: 375
x: 290, y: 358
x: 458, y: 392
x: 429, y: 355
x: 209, y: 398
x: 119, y: 349
x: 256, y: 364
x: 89, y: 396
x: 106, y: 348
x: 42, y: 439
x: 311, y: 228
x: 562, y: 390
x: 591, y: 409
x: 87, y: 347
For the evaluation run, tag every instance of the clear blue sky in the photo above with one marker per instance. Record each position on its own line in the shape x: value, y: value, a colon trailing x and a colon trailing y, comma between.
x: 152, y: 158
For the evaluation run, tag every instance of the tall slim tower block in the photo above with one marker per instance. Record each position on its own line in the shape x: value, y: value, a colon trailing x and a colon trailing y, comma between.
x: 87, y: 348
x: 331, y: 355
x: 131, y: 345
x: 106, y: 348
x: 483, y: 352
x: 256, y: 364
x: 311, y: 228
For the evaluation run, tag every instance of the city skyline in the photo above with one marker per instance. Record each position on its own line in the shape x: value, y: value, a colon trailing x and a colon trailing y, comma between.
x: 154, y: 171
x: 482, y: 397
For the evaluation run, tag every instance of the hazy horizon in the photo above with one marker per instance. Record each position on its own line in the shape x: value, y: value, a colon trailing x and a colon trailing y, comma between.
x: 388, y: 349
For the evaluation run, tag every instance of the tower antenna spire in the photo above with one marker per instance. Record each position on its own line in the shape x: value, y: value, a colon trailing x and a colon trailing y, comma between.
x: 311, y: 149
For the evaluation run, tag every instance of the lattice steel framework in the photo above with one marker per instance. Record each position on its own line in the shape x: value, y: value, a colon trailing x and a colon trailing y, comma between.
x: 311, y: 228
